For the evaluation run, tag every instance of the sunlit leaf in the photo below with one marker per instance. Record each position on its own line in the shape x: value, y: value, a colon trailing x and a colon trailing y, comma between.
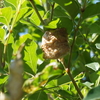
x: 3, y: 79
x: 15, y: 3
x: 52, y: 24
x: 97, y: 45
x: 6, y: 15
x: 30, y: 56
x: 52, y: 70
x: 22, y: 13
x: 35, y: 19
x: 29, y: 86
x: 11, y: 39
x: 2, y: 34
x: 94, y: 66
x: 88, y: 84
x: 19, y: 42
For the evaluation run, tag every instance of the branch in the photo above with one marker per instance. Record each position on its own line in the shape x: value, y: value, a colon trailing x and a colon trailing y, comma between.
x: 52, y: 10
x: 72, y: 79
x: 38, y: 14
x: 76, y: 86
x: 10, y: 28
x: 76, y: 29
x: 27, y: 20
x: 75, y: 34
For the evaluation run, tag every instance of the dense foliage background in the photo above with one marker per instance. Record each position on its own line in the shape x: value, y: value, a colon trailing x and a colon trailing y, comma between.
x: 22, y: 25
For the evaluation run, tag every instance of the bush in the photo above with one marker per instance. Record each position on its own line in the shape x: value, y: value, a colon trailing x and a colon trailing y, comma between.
x: 66, y: 65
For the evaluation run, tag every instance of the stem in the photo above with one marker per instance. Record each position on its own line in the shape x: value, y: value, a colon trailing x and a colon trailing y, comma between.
x: 76, y: 29
x: 52, y: 10
x: 72, y: 79
x: 75, y: 34
x: 11, y: 28
x: 47, y: 5
x: 34, y: 25
x: 38, y: 14
x: 76, y: 86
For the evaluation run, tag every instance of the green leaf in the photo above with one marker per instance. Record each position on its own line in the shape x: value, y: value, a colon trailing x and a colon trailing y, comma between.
x: 3, y: 20
x: 70, y: 6
x: 2, y: 34
x: 9, y: 53
x: 35, y: 19
x: 94, y: 66
x: 79, y: 40
x: 95, y: 78
x: 30, y: 56
x: 94, y: 94
x: 65, y: 94
x: 6, y: 15
x: 19, y: 42
x: 91, y: 10
x: 42, y: 66
x: 22, y: 13
x: 97, y: 45
x: 52, y: 24
x: 1, y: 53
x: 52, y: 70
x: 59, y: 12
x: 3, y: 79
x: 66, y: 23
x: 94, y: 28
x: 40, y: 79
x: 38, y: 96
x: 86, y: 57
x: 88, y: 84
x: 11, y: 39
x: 64, y: 79
x: 13, y: 2
x: 2, y: 71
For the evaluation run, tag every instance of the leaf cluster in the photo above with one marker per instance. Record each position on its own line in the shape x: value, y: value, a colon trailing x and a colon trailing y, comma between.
x: 25, y: 22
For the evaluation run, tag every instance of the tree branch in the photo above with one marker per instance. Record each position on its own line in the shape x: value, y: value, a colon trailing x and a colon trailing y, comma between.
x: 76, y: 29
x: 52, y: 10
x: 72, y: 79
x: 38, y: 14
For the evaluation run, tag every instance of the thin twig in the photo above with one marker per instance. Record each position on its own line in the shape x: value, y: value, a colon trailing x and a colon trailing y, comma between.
x: 27, y: 20
x: 70, y: 58
x: 75, y: 34
x: 52, y: 11
x: 76, y: 86
x: 36, y: 10
x: 10, y: 28
x: 72, y: 79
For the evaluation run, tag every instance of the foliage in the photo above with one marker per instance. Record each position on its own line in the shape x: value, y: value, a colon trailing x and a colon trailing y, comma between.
x: 22, y: 25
